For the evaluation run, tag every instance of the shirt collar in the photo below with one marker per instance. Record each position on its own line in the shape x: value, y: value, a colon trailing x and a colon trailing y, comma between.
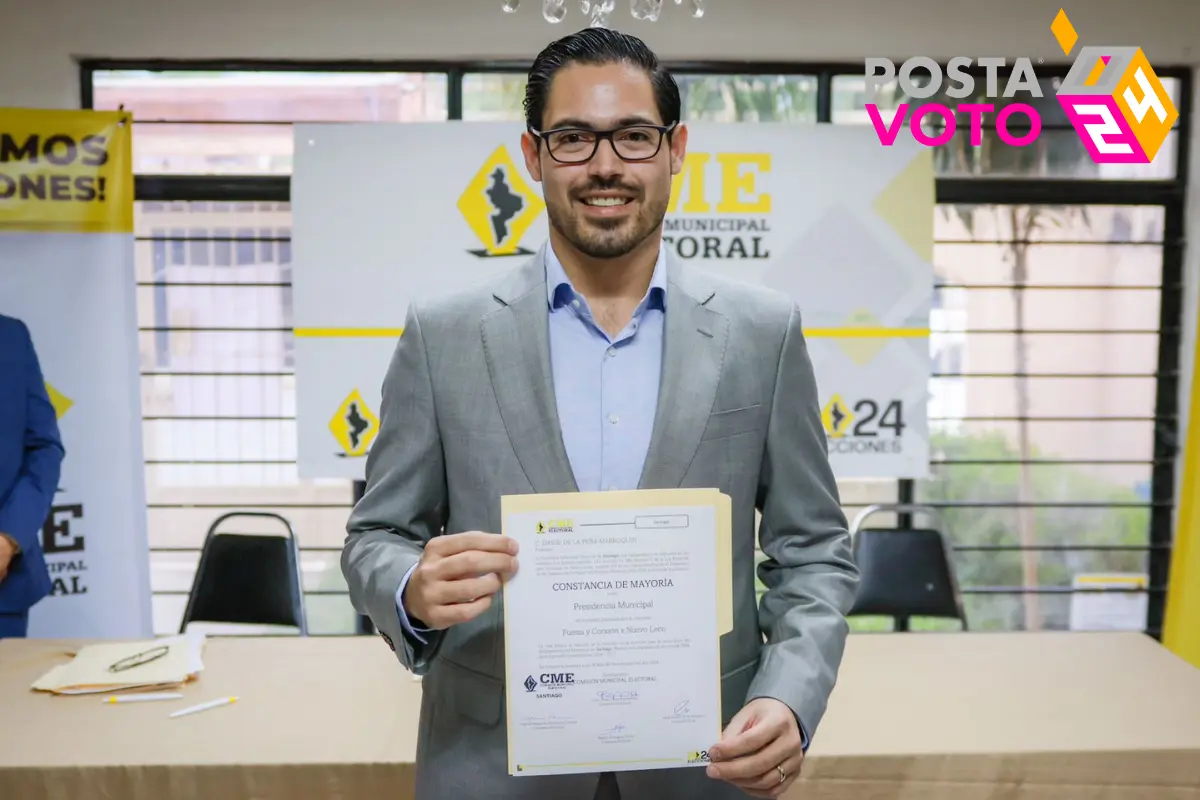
x: 560, y: 291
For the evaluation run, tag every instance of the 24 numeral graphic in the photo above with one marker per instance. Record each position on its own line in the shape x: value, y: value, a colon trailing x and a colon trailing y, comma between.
x: 865, y: 412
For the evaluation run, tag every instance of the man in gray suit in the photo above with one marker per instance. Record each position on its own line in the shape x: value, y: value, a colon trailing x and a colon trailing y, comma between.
x: 601, y: 363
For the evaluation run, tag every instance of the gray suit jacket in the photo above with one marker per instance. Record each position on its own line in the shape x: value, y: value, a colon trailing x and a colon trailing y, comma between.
x: 468, y: 414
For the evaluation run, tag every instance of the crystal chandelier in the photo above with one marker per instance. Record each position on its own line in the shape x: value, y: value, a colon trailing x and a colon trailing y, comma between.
x: 599, y: 11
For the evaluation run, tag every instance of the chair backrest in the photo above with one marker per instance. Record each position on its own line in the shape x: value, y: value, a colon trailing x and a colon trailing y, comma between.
x: 905, y: 573
x: 248, y: 578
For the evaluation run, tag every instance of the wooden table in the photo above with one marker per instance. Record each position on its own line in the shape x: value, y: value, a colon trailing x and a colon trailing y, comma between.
x: 960, y: 716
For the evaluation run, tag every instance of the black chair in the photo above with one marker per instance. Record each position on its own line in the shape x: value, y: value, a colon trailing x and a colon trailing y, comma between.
x: 904, y: 572
x: 248, y: 578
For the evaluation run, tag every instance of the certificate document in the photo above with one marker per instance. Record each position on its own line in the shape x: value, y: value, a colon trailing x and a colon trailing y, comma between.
x: 612, y: 631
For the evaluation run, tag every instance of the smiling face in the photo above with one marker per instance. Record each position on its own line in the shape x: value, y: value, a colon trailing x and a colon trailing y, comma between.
x: 606, y: 206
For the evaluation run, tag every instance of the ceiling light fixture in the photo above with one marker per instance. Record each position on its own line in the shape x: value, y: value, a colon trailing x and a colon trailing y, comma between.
x: 599, y: 11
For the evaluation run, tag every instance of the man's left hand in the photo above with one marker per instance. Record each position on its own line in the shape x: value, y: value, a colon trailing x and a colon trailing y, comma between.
x: 760, y: 751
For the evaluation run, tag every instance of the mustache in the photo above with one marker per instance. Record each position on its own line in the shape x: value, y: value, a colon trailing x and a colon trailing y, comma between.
x: 600, y: 185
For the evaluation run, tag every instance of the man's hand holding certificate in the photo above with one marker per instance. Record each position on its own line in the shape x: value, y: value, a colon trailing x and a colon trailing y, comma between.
x: 457, y: 576
x: 612, y: 629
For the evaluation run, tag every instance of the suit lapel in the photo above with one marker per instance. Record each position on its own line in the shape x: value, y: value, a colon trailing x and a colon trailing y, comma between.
x: 516, y: 342
x: 693, y: 352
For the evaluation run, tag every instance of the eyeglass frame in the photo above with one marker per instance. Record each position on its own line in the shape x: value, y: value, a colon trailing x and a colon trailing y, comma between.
x: 664, y: 134
x: 138, y: 659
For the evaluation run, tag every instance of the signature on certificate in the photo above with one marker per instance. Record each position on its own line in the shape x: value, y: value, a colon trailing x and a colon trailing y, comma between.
x: 682, y: 708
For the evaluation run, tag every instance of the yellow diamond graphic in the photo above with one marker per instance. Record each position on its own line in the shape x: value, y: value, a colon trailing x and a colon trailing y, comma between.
x: 354, y: 425
x: 59, y: 400
x: 836, y: 416
x: 541, y: 527
x: 862, y: 349
x: 1064, y: 32
x: 499, y: 205
x: 905, y: 204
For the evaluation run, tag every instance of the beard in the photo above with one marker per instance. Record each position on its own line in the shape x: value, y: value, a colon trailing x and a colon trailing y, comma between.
x: 607, y: 238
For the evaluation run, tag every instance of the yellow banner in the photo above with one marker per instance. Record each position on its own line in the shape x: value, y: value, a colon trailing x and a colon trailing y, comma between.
x: 66, y: 171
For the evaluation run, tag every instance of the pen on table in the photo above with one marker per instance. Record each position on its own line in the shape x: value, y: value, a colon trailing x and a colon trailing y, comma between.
x: 222, y: 701
x: 143, y: 698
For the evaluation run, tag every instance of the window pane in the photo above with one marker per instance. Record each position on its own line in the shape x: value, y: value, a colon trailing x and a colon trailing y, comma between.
x: 1101, y: 353
x: 1101, y: 310
x: 219, y: 400
x: 197, y: 149
x: 178, y: 247
x: 493, y: 96
x: 749, y: 98
x: 1006, y: 611
x: 996, y: 396
x: 199, y: 122
x: 1067, y: 224
x: 1058, y: 151
x: 266, y: 245
x: 180, y: 95
x: 1068, y: 297
x: 246, y: 249
x: 1083, y: 439
x: 222, y: 247
x: 985, y: 463
x: 712, y: 98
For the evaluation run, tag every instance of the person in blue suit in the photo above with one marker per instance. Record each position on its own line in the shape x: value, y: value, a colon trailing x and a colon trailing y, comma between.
x: 31, y: 454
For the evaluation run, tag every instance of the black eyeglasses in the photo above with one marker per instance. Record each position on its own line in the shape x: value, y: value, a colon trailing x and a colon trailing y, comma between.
x: 630, y: 142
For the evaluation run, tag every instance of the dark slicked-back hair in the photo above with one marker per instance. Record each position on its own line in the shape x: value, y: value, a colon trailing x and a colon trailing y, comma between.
x: 596, y: 47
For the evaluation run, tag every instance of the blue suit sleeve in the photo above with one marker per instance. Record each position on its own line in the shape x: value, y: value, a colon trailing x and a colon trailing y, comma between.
x: 412, y: 630
x: 24, y: 511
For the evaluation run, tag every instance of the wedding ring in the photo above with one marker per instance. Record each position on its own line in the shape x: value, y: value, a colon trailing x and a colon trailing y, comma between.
x: 782, y: 774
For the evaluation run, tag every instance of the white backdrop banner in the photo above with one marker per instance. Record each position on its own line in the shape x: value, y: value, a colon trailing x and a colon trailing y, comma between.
x: 384, y: 213
x: 66, y: 271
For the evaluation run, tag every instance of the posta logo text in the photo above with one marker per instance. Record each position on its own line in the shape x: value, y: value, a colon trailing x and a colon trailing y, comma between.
x: 1112, y: 96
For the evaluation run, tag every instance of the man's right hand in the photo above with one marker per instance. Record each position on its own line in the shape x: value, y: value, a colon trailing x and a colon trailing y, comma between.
x: 457, y: 576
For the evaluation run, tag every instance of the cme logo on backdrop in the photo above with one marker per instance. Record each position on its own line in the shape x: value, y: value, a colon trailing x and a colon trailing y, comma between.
x: 1116, y: 103
x: 500, y: 206
x: 354, y: 426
